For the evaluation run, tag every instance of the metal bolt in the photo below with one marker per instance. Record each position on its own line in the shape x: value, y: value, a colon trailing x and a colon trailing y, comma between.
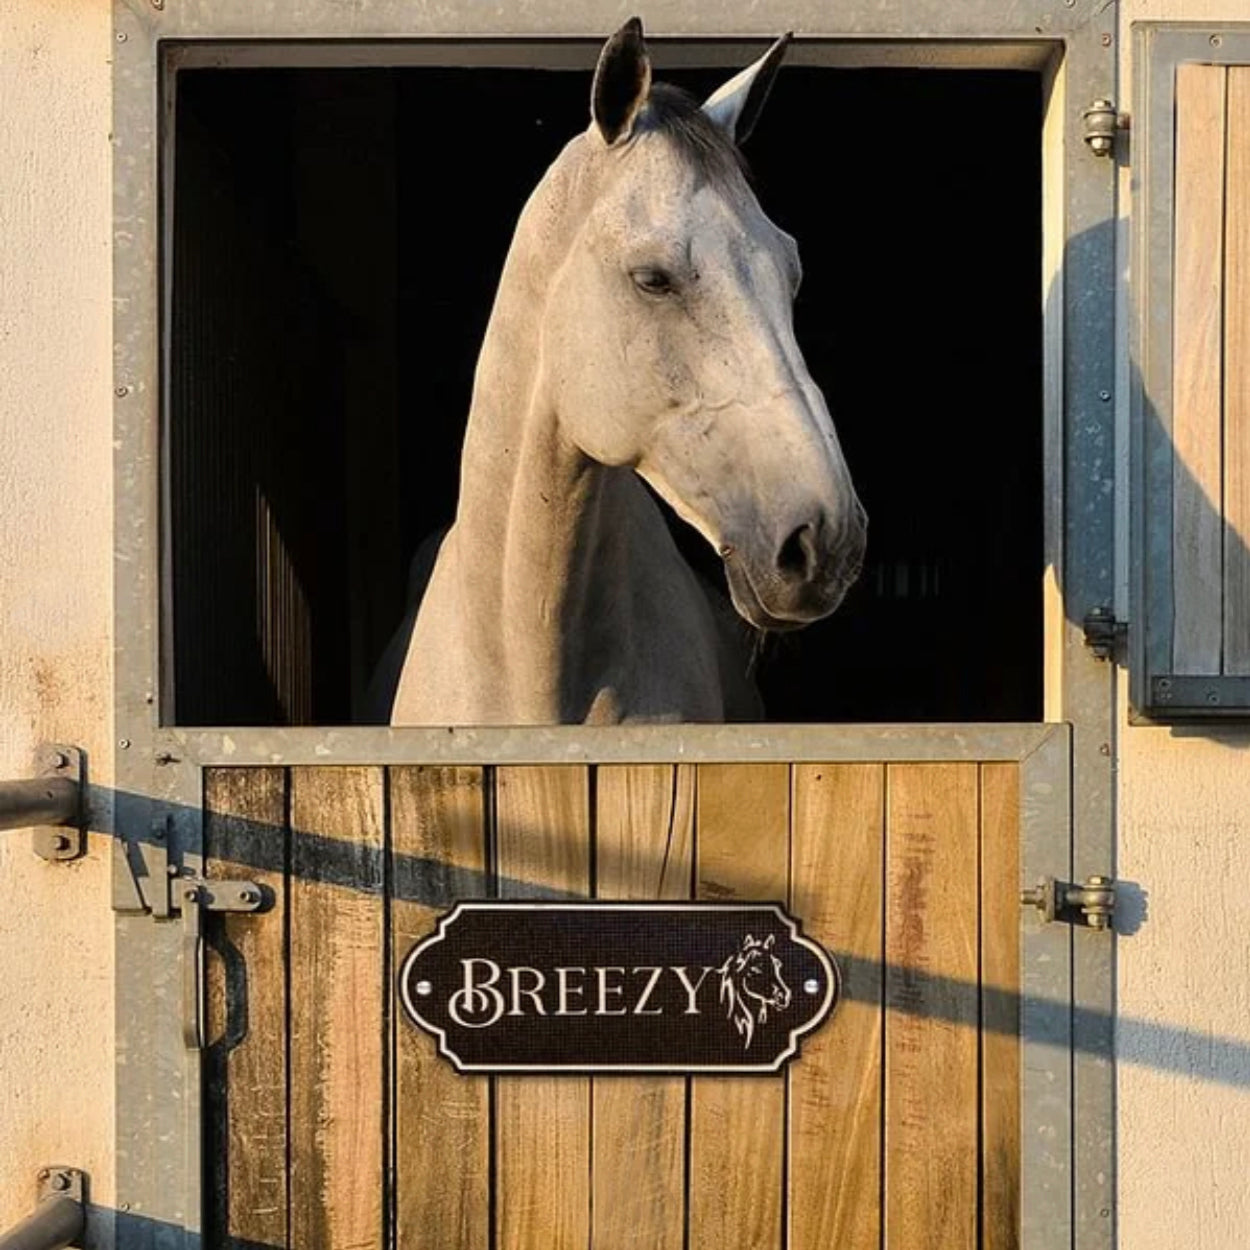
x: 1212, y: 697
x: 1104, y: 396
x: 124, y: 744
x: 122, y: 36
x: 248, y: 896
x: 59, y: 1182
x: 424, y: 989
x: 1106, y: 41
x: 44, y: 1174
x: 60, y: 842
x: 121, y: 391
x: 1069, y: 3
x: 158, y: 4
x: 1216, y: 41
x: 125, y: 1206
x: 59, y: 759
x: 1104, y: 749
x: 811, y: 986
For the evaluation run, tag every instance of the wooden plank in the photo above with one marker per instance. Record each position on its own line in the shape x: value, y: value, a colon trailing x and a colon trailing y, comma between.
x: 644, y: 847
x: 542, y: 1124
x: 245, y: 1068
x: 1000, y: 1007
x: 442, y: 1119
x: 931, y: 990
x: 835, y: 1089
x: 1197, y: 488
x: 1237, y: 378
x: 336, y: 942
x: 737, y: 1127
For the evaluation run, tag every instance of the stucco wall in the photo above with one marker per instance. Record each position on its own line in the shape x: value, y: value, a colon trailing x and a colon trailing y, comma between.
x: 56, y: 929
x: 1184, y: 974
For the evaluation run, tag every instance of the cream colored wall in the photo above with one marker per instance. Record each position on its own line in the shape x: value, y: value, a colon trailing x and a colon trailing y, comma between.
x: 1184, y: 976
x: 56, y: 928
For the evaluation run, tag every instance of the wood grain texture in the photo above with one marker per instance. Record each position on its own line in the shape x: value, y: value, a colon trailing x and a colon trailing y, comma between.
x: 931, y: 1068
x: 442, y: 1120
x: 644, y: 847
x: 1237, y: 378
x: 1000, y: 1006
x: 1197, y: 487
x: 836, y: 1085
x: 737, y: 1129
x: 337, y: 984
x: 245, y: 1067
x: 542, y: 1124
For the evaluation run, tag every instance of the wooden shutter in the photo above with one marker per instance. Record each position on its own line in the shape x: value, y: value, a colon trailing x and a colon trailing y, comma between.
x: 1192, y: 283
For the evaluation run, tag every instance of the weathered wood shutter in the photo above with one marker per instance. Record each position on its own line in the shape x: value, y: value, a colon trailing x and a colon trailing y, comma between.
x: 333, y: 1123
x: 1192, y: 424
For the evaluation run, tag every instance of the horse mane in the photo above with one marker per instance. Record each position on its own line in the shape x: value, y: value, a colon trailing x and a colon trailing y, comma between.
x: 676, y: 113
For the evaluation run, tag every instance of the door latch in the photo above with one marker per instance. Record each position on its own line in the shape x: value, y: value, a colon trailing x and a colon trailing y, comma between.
x: 193, y: 896
x: 1091, y: 905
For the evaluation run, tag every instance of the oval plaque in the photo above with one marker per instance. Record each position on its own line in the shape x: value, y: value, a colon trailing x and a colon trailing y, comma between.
x: 618, y: 987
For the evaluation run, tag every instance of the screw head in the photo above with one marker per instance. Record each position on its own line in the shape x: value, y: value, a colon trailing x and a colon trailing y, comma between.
x: 59, y: 1182
x: 124, y: 744
x: 1106, y: 41
x: 249, y: 896
x: 1216, y: 41
x: 424, y: 989
x: 811, y: 986
x: 122, y: 36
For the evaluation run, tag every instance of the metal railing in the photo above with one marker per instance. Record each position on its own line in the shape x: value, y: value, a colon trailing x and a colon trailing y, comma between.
x: 59, y: 1218
x: 51, y: 804
x: 41, y: 801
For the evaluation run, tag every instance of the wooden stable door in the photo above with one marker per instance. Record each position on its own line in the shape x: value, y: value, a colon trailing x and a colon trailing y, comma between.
x: 332, y: 1123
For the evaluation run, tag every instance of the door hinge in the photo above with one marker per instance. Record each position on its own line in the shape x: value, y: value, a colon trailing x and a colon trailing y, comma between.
x: 1102, y: 123
x: 1091, y: 905
x: 1104, y: 634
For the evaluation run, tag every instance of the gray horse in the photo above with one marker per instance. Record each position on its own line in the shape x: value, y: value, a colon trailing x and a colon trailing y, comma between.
x: 642, y: 333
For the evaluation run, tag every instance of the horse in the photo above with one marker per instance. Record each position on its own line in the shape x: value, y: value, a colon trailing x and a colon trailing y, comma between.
x: 641, y: 339
x: 751, y: 983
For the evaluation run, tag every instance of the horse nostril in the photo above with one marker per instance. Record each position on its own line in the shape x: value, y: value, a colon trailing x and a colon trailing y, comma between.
x: 798, y: 557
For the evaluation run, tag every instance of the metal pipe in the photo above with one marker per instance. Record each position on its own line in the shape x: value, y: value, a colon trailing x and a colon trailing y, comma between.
x: 42, y: 801
x: 55, y: 1222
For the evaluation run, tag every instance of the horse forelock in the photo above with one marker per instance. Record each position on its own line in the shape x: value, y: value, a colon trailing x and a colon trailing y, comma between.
x: 675, y: 113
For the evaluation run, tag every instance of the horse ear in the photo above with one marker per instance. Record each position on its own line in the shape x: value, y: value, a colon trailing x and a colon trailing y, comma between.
x: 736, y: 106
x: 622, y: 83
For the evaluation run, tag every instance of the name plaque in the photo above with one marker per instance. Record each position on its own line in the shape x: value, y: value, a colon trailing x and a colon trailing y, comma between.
x: 618, y: 987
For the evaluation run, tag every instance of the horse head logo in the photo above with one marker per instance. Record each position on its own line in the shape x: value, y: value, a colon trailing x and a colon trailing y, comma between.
x: 751, y: 983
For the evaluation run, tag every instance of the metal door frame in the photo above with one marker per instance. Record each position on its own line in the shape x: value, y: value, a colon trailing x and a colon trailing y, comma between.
x: 1068, y: 1147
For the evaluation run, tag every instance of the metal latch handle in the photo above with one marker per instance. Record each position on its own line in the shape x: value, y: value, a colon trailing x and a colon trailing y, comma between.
x: 194, y: 897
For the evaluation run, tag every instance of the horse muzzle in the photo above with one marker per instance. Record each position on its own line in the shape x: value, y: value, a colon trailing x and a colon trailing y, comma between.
x: 789, y: 584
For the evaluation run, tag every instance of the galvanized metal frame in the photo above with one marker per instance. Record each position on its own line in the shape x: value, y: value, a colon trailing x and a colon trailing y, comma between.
x: 1155, y: 692
x: 1066, y: 772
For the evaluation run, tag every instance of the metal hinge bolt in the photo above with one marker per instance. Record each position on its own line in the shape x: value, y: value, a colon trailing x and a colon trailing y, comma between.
x: 1101, y: 123
x: 1091, y: 904
x: 1103, y: 632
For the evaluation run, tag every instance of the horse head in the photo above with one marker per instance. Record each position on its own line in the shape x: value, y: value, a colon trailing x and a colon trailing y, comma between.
x: 751, y: 983
x: 669, y: 346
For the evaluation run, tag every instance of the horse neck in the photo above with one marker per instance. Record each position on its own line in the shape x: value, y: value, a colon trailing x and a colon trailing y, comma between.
x: 538, y: 514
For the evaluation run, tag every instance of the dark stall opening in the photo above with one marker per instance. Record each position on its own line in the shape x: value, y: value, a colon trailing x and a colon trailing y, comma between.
x: 337, y: 238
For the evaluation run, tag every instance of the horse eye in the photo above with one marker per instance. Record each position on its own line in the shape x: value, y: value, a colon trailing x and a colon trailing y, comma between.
x: 652, y: 281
